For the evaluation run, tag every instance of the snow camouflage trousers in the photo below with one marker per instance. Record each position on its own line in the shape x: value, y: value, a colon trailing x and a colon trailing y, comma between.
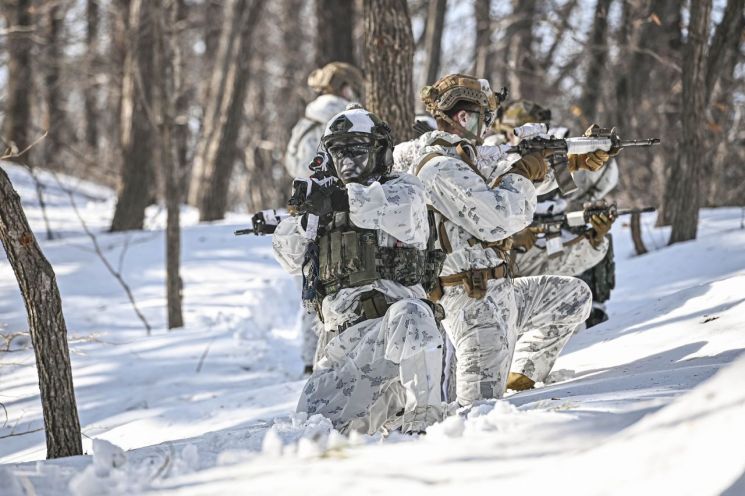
x: 310, y: 328
x: 381, y: 373
x: 519, y: 326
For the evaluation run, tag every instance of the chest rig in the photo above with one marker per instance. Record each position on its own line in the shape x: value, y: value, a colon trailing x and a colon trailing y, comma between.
x: 349, y: 256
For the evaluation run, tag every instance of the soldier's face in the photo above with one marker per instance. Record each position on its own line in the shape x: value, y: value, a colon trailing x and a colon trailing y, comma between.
x: 353, y: 162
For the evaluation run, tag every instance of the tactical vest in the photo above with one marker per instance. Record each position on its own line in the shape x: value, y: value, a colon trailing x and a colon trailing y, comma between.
x: 349, y: 256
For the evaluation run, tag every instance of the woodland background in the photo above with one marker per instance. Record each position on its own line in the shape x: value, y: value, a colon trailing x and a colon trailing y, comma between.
x: 202, y: 94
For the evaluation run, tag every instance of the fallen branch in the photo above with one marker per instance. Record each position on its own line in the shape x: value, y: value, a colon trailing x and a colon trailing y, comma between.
x: 14, y: 434
x: 103, y: 258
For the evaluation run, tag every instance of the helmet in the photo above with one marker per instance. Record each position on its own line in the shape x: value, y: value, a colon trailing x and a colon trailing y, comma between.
x: 333, y: 76
x: 522, y: 112
x: 464, y: 93
x: 360, y: 145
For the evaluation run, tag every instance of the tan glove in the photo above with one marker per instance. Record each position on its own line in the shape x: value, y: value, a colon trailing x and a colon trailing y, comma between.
x: 533, y: 166
x: 589, y: 161
x: 601, y: 225
x: 524, y: 240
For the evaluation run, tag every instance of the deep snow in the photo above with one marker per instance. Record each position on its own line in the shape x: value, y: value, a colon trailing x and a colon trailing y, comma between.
x: 639, y: 404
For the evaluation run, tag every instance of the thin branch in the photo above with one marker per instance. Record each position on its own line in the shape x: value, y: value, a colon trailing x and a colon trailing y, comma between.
x: 103, y: 258
x: 12, y: 155
x: 204, y: 355
x: 13, y: 434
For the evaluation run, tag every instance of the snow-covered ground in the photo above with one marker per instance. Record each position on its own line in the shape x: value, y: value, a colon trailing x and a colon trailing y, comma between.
x: 638, y: 405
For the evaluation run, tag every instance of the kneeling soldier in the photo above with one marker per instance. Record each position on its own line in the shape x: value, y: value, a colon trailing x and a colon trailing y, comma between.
x: 364, y: 249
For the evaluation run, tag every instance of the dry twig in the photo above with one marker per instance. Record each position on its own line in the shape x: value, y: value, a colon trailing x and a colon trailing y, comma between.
x: 103, y: 258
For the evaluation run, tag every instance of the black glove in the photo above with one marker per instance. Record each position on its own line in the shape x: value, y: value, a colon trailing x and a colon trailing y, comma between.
x: 323, y: 201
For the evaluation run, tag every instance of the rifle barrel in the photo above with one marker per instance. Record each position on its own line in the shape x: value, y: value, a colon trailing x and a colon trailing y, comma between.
x: 627, y: 211
x: 642, y: 142
x: 241, y: 232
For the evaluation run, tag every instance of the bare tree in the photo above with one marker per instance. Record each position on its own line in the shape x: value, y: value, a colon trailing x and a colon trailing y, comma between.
x: 686, y: 182
x: 520, y: 56
x: 483, y: 54
x: 389, y: 64
x: 334, y: 41
x: 598, y: 50
x: 17, y: 120
x: 217, y: 149
x: 91, y: 90
x: 137, y: 121
x: 38, y: 286
x: 167, y: 77
x: 433, y: 39
x: 55, y: 118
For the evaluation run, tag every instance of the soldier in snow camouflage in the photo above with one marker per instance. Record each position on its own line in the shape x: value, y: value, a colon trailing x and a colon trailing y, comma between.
x: 337, y: 84
x: 381, y: 363
x: 480, y: 203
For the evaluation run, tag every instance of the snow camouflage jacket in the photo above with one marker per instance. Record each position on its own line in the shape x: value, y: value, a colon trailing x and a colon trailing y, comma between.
x: 471, y: 209
x: 397, y: 209
x: 307, y: 133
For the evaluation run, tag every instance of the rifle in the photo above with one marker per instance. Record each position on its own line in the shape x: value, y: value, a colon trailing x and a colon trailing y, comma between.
x: 266, y: 221
x: 599, y: 139
x: 551, y: 225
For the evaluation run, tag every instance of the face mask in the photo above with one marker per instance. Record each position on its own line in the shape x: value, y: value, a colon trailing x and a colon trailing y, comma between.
x: 352, y: 162
x: 472, y: 124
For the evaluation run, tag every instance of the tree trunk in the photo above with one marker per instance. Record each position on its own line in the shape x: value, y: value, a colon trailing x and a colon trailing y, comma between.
x: 167, y: 78
x: 334, y: 41
x: 521, y: 61
x: 598, y: 51
x: 19, y: 83
x: 91, y: 87
x: 483, y: 56
x: 184, y: 94
x: 217, y: 150
x: 686, y: 182
x: 38, y: 286
x: 636, y: 233
x: 137, y: 121
x: 55, y: 118
x: 118, y: 19
x: 389, y: 65
x: 433, y: 39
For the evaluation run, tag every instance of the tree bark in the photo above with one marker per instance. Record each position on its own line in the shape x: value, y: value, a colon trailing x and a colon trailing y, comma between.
x: 137, y: 121
x: 483, y: 56
x: 521, y: 61
x: 20, y: 82
x: 433, y: 39
x: 168, y: 82
x: 686, y: 182
x: 636, y: 233
x: 334, y: 41
x: 55, y: 118
x: 38, y: 286
x: 389, y: 65
x: 217, y: 149
x: 91, y: 89
x: 598, y: 50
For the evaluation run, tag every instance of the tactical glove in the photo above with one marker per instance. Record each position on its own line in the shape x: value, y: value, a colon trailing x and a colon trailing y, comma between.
x: 524, y: 240
x: 589, y: 161
x: 601, y: 225
x: 323, y: 201
x: 532, y: 166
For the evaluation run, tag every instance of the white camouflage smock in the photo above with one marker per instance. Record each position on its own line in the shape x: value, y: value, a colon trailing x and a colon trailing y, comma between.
x: 530, y: 318
x: 382, y: 373
x: 307, y: 133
